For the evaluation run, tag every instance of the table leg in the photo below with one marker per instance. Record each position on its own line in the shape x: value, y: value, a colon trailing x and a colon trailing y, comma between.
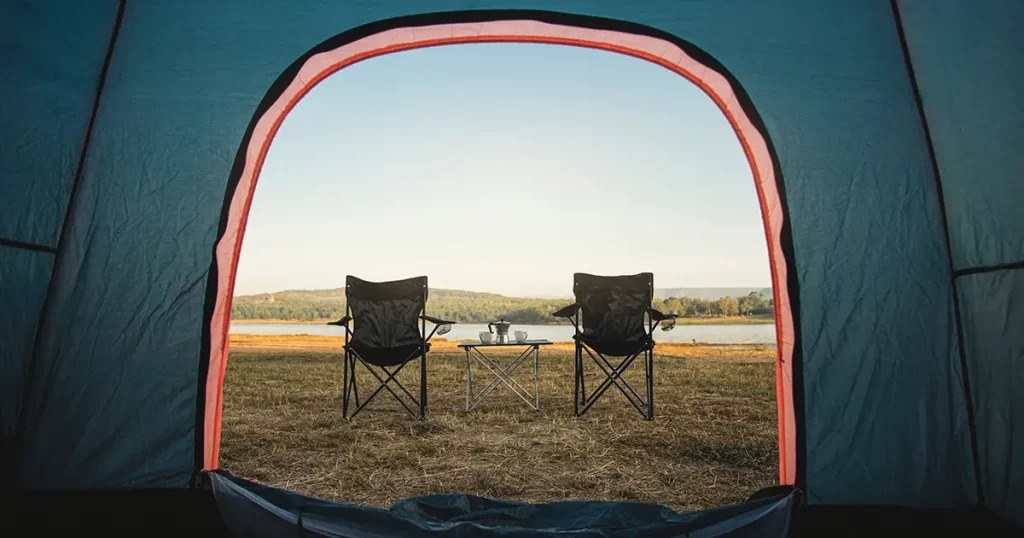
x: 536, y: 380
x: 469, y: 378
x: 502, y: 375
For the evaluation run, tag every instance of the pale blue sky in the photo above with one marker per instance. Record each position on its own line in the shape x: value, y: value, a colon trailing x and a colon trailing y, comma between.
x: 504, y: 168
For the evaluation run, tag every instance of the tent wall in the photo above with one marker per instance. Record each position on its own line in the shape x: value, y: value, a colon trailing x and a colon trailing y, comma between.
x: 24, y: 275
x: 967, y: 57
x: 49, y: 68
x: 883, y: 416
x: 113, y: 395
x: 53, y: 54
x: 993, y: 316
x: 968, y: 61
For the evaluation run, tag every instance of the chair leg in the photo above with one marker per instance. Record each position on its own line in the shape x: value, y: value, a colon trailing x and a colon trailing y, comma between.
x: 614, y: 378
x: 576, y: 382
x: 389, y: 377
x: 355, y: 386
x: 650, y: 384
x: 423, y: 385
x: 583, y: 378
x: 345, y: 389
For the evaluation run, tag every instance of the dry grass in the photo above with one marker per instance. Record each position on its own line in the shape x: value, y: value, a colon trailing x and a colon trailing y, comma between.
x: 713, y: 441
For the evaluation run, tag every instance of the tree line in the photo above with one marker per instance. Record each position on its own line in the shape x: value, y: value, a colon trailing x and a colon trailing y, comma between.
x: 474, y: 307
x: 753, y: 304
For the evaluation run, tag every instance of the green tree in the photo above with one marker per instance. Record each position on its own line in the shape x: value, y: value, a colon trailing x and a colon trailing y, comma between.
x: 729, y: 306
x: 685, y: 306
x: 751, y: 303
x: 716, y: 308
x: 703, y: 307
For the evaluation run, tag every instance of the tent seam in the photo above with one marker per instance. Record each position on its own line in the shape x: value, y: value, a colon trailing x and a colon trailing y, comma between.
x: 981, y: 269
x: 25, y: 245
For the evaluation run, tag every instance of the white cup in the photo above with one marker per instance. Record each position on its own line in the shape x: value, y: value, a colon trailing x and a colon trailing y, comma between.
x: 520, y: 336
x: 485, y: 337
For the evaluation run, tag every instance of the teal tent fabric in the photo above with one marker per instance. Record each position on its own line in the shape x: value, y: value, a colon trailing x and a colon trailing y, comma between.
x: 967, y: 60
x: 53, y: 52
x: 993, y: 305
x: 49, y: 71
x: 105, y: 358
x: 24, y: 275
x: 966, y: 57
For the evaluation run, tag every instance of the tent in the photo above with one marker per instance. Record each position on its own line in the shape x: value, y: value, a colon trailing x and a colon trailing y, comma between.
x: 885, y: 139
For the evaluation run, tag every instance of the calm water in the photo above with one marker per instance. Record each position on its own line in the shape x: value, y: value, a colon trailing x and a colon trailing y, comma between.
x: 711, y: 334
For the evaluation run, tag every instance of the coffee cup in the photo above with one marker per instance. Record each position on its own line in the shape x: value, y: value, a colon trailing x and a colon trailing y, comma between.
x: 520, y: 336
x: 485, y: 337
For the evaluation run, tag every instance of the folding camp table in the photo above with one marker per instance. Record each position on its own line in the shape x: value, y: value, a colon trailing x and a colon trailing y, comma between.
x: 502, y: 374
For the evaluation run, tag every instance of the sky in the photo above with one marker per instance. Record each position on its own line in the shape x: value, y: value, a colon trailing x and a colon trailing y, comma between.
x: 504, y: 168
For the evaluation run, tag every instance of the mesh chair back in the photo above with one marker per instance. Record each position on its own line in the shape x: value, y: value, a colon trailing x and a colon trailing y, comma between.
x: 386, y: 314
x: 612, y: 308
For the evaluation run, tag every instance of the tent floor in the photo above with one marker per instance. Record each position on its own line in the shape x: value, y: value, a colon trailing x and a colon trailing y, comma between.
x: 159, y: 510
x: 843, y: 521
x: 191, y: 510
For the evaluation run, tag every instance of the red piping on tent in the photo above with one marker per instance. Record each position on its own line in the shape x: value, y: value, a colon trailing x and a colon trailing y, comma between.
x: 646, y: 48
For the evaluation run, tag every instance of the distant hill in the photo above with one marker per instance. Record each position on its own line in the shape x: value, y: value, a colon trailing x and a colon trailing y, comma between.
x: 338, y: 294
x: 458, y: 305
x: 708, y: 293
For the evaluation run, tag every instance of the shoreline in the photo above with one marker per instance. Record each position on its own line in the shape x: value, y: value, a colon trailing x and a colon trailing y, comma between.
x: 731, y: 320
x: 313, y: 343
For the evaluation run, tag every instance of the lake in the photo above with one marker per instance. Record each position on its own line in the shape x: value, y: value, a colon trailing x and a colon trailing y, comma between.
x: 708, y: 334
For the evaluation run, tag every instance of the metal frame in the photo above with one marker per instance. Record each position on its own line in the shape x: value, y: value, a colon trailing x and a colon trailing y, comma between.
x: 613, y: 376
x: 351, y: 386
x: 503, y: 374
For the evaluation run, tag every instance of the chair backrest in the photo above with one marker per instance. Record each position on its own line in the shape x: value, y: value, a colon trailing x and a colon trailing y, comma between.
x: 612, y: 308
x: 386, y: 314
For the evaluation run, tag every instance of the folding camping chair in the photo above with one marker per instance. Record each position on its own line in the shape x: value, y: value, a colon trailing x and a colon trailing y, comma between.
x: 389, y: 330
x: 614, y: 317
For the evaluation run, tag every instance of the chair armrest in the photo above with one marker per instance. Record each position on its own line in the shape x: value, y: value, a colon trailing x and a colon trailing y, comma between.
x: 568, y: 311
x: 441, y: 327
x: 656, y: 315
x: 343, y: 322
x: 437, y: 321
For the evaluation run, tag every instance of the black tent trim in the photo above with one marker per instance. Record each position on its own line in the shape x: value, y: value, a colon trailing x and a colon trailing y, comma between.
x: 14, y: 243
x: 480, y: 16
x: 989, y: 268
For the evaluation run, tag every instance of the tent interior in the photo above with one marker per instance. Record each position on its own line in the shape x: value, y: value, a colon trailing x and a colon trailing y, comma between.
x: 884, y: 137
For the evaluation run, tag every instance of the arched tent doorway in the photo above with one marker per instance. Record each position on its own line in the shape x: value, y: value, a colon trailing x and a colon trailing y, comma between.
x: 400, y: 35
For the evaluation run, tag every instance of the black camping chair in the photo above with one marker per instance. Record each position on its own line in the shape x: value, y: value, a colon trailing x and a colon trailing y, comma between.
x: 389, y: 330
x: 614, y: 317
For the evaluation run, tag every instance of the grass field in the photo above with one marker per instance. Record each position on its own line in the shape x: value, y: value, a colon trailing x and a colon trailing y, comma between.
x: 713, y: 440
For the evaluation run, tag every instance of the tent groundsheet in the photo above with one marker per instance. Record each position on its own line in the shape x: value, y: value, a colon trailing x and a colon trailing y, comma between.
x: 251, y: 509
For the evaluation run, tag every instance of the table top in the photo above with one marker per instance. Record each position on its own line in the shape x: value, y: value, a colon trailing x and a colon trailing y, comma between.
x: 511, y: 342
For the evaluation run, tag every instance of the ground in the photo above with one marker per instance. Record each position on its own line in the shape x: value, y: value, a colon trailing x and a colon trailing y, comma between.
x: 714, y: 439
